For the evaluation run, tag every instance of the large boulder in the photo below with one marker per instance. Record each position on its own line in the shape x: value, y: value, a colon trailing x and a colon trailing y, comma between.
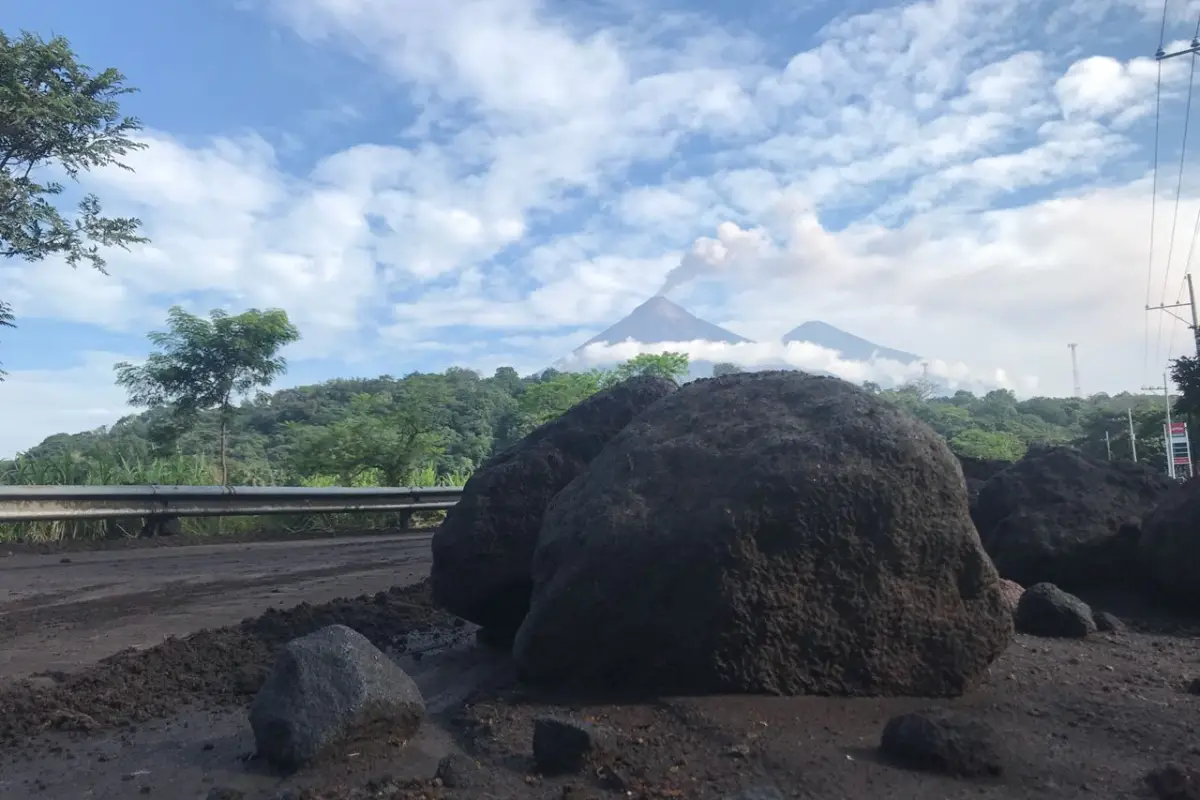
x: 482, y: 551
x: 1059, y: 516
x: 765, y: 532
x: 1169, y: 549
x: 326, y: 687
x: 977, y: 472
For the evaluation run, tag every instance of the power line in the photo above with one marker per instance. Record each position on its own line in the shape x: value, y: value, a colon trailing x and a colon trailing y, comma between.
x: 1187, y: 116
x: 1159, y: 54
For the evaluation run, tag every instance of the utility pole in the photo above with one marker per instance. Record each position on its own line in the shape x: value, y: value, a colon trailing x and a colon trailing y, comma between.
x: 1166, y: 387
x: 1075, y: 370
x: 1132, y: 436
x: 1194, y: 324
x: 1108, y: 445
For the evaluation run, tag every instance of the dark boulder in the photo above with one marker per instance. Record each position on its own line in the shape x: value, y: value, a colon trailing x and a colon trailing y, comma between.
x: 765, y: 532
x: 942, y: 741
x: 1062, y: 517
x: 482, y: 551
x: 564, y: 745
x: 1046, y: 610
x: 1174, y: 782
x: 1169, y: 548
x: 326, y: 687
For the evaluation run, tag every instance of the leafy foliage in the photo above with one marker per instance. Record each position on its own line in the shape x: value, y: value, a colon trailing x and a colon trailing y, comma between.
x: 435, y: 428
x: 673, y: 366
x: 203, y: 364
x: 1185, y: 372
x: 56, y: 114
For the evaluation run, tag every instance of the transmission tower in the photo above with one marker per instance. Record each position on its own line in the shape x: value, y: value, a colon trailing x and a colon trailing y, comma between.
x: 1075, y: 370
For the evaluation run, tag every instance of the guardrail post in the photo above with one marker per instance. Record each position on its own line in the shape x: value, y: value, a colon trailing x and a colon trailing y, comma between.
x: 406, y: 520
x: 160, y: 525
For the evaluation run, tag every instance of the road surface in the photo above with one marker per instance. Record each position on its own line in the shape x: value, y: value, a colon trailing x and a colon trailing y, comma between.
x: 64, y: 611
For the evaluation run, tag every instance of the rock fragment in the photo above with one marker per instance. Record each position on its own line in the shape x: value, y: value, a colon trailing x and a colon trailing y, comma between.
x: 326, y: 687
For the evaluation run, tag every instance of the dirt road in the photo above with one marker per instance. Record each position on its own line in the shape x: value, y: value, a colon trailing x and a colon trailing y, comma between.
x: 61, y: 612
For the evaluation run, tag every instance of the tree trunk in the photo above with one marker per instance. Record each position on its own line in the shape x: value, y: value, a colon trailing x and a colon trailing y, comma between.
x: 224, y: 449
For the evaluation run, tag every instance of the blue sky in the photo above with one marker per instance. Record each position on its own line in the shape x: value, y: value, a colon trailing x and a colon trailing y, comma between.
x: 491, y: 182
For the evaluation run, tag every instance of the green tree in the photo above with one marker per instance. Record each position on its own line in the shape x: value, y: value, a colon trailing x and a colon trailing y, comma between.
x: 673, y: 366
x: 1185, y: 372
x: 725, y: 368
x: 996, y: 445
x: 55, y: 113
x: 549, y: 399
x: 6, y: 321
x: 204, y: 364
x: 381, y: 435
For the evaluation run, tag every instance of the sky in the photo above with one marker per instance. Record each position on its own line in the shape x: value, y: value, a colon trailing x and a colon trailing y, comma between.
x: 491, y: 182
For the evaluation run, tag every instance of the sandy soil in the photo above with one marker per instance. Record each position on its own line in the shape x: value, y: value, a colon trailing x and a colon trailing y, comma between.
x: 63, y: 611
x: 1076, y: 718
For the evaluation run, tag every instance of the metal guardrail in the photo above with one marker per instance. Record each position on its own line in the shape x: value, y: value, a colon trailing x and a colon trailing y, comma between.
x: 34, y: 503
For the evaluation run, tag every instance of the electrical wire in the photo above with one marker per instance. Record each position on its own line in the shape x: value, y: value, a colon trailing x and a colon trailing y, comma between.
x: 1154, y: 189
x: 1187, y: 116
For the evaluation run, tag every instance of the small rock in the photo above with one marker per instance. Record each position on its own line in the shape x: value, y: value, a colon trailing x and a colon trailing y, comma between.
x: 1194, y: 686
x: 458, y: 772
x: 1174, y: 782
x: 1046, y: 610
x: 323, y: 688
x: 738, y: 751
x: 225, y: 793
x: 562, y: 745
x: 941, y: 741
x: 64, y: 561
x: 1107, y: 622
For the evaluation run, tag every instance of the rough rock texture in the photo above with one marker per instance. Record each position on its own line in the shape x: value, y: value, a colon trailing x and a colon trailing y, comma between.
x: 1046, y: 610
x: 1169, y: 549
x: 563, y: 745
x: 1106, y: 622
x: 482, y: 551
x: 1011, y: 592
x: 942, y: 741
x: 325, y: 687
x: 1061, y: 517
x: 1174, y: 782
x: 765, y: 532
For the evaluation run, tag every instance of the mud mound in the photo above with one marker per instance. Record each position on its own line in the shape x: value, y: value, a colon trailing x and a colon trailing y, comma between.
x: 482, y: 552
x: 1059, y: 516
x: 1169, y: 549
x: 219, y: 666
x: 765, y: 532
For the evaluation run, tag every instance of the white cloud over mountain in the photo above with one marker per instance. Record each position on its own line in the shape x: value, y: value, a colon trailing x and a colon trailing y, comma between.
x: 965, y: 179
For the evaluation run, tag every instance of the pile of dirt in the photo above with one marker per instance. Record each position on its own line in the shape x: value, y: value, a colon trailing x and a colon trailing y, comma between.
x: 1169, y: 548
x: 1059, y: 516
x: 220, y: 666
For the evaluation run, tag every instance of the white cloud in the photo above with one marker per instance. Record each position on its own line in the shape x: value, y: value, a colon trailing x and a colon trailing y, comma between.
x: 938, y: 176
x: 804, y: 356
x: 46, y: 402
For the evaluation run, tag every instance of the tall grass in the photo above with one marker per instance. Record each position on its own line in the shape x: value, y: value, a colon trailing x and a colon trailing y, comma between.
x: 124, y: 469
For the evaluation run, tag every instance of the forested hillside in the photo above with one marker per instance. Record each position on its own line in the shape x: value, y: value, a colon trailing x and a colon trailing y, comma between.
x: 426, y: 428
